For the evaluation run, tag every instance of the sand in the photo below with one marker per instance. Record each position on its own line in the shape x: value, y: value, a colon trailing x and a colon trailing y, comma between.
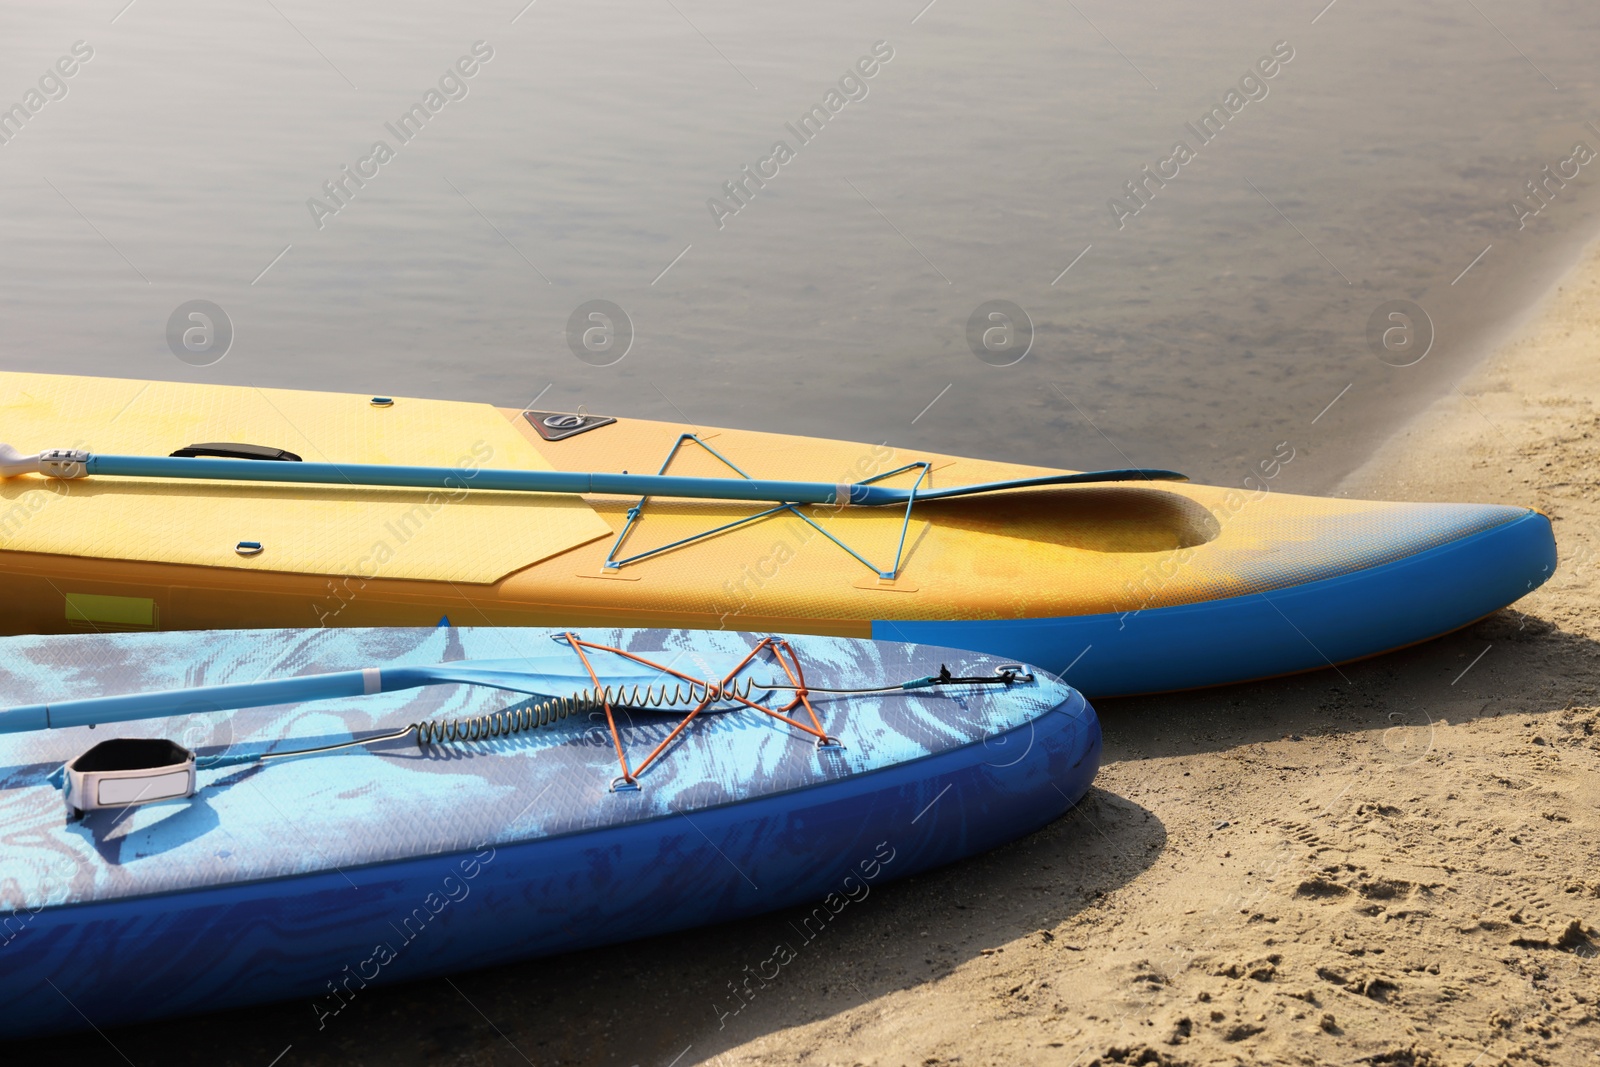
x: 1391, y: 863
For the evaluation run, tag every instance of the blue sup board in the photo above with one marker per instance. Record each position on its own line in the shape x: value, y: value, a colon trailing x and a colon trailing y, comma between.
x: 352, y: 807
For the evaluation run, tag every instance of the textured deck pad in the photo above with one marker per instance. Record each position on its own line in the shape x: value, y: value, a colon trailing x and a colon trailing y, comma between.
x: 392, y: 533
x: 364, y: 806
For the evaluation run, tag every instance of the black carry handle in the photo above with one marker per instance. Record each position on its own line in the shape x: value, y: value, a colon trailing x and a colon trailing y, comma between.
x: 229, y: 450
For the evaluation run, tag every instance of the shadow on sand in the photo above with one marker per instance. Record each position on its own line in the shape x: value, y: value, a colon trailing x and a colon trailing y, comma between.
x: 1506, y: 663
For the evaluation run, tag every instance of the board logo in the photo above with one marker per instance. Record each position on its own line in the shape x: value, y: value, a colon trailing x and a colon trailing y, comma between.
x: 560, y: 425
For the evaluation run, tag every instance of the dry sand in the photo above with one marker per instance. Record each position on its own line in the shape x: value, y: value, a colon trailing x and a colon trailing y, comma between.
x: 1393, y: 863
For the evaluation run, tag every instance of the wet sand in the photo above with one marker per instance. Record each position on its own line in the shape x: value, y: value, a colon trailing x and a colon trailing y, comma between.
x: 1391, y: 863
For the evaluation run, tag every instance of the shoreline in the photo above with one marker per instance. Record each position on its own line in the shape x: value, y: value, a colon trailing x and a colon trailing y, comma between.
x: 1549, y: 322
x: 1532, y: 318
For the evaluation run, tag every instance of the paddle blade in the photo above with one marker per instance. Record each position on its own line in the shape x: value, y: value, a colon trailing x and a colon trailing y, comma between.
x: 878, y: 495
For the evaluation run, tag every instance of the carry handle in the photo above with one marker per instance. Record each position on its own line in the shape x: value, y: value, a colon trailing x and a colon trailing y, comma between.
x: 234, y: 450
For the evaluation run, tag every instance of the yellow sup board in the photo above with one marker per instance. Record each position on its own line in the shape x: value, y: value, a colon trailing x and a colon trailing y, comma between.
x: 1122, y: 588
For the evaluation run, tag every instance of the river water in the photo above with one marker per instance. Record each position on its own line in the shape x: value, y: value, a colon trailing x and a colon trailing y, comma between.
x: 952, y: 155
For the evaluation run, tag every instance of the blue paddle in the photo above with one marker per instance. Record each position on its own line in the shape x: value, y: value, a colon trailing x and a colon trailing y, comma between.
x: 69, y: 463
x: 548, y: 676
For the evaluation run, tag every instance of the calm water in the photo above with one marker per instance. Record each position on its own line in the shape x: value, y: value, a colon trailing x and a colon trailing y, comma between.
x: 576, y: 163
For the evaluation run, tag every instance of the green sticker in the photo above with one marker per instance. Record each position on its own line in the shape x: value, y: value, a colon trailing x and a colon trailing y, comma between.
x: 112, y: 610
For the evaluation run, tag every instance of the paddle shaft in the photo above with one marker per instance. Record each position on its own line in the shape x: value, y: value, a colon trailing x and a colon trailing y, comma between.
x: 669, y: 485
x: 92, y: 711
x: 453, y: 479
